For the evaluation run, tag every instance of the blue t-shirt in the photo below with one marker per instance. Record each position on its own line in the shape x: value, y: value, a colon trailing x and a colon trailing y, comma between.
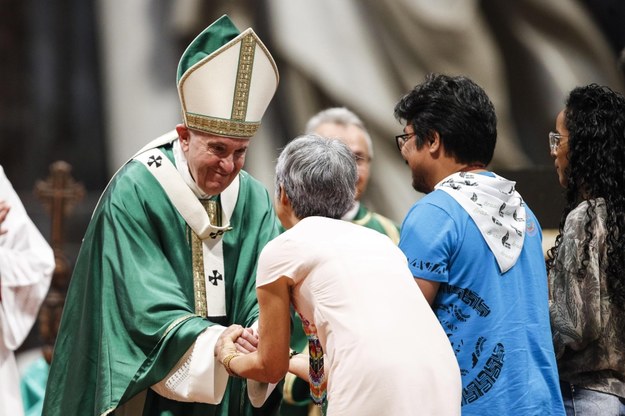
x: 498, y: 324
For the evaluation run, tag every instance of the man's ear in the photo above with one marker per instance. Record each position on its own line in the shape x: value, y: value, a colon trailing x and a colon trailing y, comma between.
x: 434, y: 141
x: 183, y: 135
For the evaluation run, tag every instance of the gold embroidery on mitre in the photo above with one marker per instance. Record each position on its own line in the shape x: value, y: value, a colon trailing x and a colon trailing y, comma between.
x: 221, y: 127
x: 244, y: 78
x: 213, y: 209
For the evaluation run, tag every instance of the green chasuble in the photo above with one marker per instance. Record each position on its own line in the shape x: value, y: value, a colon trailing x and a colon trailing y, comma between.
x: 377, y: 222
x: 130, y: 309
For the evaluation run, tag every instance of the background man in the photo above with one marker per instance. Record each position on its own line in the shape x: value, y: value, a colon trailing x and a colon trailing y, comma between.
x: 475, y: 250
x: 169, y: 257
x: 341, y: 123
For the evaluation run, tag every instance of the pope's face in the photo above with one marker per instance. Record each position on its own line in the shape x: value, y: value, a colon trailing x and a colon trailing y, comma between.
x: 355, y: 139
x: 214, y: 161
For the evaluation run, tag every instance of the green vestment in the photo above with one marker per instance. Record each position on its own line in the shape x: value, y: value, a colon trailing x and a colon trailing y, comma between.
x: 130, y: 309
x: 376, y: 222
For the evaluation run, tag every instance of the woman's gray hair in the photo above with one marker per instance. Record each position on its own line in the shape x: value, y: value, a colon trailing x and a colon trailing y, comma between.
x: 318, y: 175
x: 341, y: 116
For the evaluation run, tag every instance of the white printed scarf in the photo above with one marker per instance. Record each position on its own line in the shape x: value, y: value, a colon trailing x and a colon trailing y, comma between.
x: 496, y: 208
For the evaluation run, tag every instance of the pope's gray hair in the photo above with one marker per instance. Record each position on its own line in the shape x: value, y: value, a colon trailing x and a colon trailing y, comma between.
x: 318, y: 175
x: 341, y: 116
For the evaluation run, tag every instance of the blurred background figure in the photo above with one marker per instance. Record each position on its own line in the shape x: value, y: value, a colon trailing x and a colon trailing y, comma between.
x: 341, y: 123
x: 26, y: 266
x: 587, y: 263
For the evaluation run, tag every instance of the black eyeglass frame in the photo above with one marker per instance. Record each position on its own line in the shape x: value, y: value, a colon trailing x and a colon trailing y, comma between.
x: 401, y: 139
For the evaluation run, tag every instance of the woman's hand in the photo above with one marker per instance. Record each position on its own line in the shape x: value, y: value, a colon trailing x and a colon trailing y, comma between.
x: 298, y: 365
x: 225, y: 345
x: 247, y: 342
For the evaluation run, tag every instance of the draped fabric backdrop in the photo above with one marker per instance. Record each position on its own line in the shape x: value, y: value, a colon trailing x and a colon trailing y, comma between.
x: 91, y: 81
x: 365, y: 54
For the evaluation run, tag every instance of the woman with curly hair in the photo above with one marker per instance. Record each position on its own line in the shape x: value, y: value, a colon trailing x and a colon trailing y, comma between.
x: 587, y: 263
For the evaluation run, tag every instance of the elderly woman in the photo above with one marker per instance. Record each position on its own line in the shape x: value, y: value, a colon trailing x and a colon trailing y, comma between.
x: 374, y: 342
x: 587, y: 264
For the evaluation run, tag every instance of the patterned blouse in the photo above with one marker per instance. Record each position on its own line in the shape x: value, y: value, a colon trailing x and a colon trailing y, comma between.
x: 588, y: 331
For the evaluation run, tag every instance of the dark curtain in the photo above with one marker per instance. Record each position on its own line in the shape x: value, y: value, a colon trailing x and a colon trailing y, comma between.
x: 50, y: 91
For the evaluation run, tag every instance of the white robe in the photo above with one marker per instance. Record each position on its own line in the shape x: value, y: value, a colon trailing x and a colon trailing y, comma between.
x: 26, y: 266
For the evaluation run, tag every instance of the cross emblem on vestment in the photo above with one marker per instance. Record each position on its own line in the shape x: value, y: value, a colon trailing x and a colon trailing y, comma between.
x: 155, y: 160
x: 216, y: 276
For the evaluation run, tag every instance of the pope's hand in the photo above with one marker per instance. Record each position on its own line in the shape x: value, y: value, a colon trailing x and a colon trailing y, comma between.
x: 226, y: 343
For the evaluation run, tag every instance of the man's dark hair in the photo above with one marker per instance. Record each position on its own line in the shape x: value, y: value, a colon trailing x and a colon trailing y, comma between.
x: 458, y: 110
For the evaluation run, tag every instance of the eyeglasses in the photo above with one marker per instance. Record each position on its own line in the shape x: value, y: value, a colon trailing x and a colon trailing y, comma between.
x: 554, y: 140
x: 401, y: 139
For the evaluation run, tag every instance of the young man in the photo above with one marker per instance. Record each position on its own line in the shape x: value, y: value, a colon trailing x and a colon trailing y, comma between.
x: 475, y: 250
x: 169, y: 258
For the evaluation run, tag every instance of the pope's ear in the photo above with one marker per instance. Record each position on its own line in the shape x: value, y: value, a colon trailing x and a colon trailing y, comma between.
x: 183, y: 135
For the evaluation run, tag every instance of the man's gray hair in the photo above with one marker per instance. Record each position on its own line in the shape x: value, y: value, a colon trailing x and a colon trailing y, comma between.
x: 318, y: 175
x: 341, y: 116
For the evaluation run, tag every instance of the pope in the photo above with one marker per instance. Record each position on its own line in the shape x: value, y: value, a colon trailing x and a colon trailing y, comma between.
x: 169, y: 257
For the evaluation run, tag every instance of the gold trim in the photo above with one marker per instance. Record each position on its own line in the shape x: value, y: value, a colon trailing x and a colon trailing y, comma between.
x: 244, y: 78
x: 364, y: 219
x: 389, y: 227
x: 221, y: 127
x: 287, y: 389
x: 213, y: 209
x: 176, y: 323
x: 199, y: 284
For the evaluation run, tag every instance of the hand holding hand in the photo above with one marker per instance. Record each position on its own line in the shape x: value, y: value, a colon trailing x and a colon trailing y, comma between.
x: 248, y: 341
x: 226, y: 343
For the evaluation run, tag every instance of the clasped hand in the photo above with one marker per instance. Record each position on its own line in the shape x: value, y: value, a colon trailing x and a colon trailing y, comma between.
x: 236, y: 339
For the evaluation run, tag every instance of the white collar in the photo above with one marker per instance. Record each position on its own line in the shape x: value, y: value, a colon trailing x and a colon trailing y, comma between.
x: 183, y: 168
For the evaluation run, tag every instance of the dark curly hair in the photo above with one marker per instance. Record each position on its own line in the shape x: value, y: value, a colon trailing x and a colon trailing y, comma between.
x: 459, y: 110
x: 595, y: 119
